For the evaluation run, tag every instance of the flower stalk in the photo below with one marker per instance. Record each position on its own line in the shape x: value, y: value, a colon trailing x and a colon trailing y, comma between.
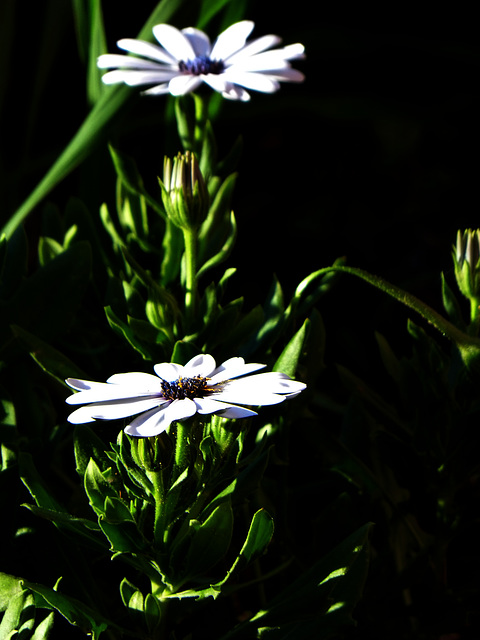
x: 190, y: 257
x: 468, y: 346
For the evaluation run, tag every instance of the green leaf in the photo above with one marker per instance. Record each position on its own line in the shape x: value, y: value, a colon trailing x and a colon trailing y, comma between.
x: 34, y: 483
x: 288, y: 360
x: 210, y: 8
x: 259, y: 536
x: 230, y: 232
x: 42, y: 632
x: 126, y: 332
x: 47, y: 357
x: 88, y: 445
x: 77, y: 613
x: 153, y: 613
x: 129, y: 175
x: 211, y: 540
x: 124, y: 537
x: 14, y: 615
x: 86, y: 529
x: 451, y: 305
x: 47, y: 301
x: 242, y: 486
x: 116, y: 511
x: 48, y: 249
x: 97, y: 45
x: 93, y: 129
x: 127, y: 589
x: 248, y: 326
x: 273, y: 321
x: 389, y: 359
x: 320, y: 602
x: 10, y: 587
x: 98, y: 487
x: 173, y: 248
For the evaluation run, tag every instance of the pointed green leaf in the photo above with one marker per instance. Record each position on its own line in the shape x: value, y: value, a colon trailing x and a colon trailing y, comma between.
x: 211, y: 540
x: 76, y: 612
x: 288, y: 360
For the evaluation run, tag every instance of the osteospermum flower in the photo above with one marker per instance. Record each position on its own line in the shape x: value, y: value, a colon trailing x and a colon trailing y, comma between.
x: 186, y: 59
x: 178, y: 392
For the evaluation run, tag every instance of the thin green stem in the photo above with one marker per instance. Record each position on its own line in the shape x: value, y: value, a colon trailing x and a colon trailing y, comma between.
x: 201, y: 113
x: 468, y: 346
x: 191, y: 242
x: 474, y: 316
x: 182, y: 454
x: 156, y: 479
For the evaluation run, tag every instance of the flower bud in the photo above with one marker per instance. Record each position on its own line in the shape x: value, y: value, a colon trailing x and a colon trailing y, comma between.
x: 466, y: 260
x: 184, y: 192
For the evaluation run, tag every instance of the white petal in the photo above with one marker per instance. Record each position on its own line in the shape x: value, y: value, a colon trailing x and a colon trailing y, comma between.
x: 168, y: 371
x: 136, y: 78
x: 235, y: 413
x: 236, y: 93
x: 80, y: 416
x: 261, y: 389
x: 262, y: 62
x: 154, y: 422
x: 146, y: 49
x: 81, y: 385
x: 217, y: 82
x: 255, y: 81
x: 225, y: 87
x: 209, y: 405
x: 144, y: 383
x: 274, y: 381
x: 174, y: 41
x: 182, y: 84
x: 199, y: 41
x: 201, y: 365
x: 249, y: 395
x: 233, y: 368
x: 293, y: 51
x: 159, y: 90
x: 288, y: 75
x: 112, y: 410
x: 112, y: 60
x: 102, y: 392
x: 254, y: 47
x: 231, y: 40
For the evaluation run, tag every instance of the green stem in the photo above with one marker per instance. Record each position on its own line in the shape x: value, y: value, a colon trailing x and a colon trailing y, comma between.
x: 474, y: 316
x: 468, y: 346
x: 182, y: 454
x: 190, y: 238
x: 201, y: 112
x: 156, y: 479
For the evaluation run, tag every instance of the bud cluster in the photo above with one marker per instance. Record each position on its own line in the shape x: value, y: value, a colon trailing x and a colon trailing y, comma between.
x: 184, y: 192
x: 466, y: 260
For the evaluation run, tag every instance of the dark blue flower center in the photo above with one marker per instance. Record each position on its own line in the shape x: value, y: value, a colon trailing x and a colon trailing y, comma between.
x: 184, y: 388
x: 201, y: 66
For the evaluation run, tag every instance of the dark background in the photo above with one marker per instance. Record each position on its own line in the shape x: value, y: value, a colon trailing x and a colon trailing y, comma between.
x: 373, y: 158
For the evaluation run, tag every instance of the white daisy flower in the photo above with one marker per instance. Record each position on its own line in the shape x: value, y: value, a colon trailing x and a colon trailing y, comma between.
x: 186, y: 59
x: 178, y: 392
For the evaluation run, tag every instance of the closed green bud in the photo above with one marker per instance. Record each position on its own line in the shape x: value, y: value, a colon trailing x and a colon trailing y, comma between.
x: 184, y: 192
x: 466, y: 259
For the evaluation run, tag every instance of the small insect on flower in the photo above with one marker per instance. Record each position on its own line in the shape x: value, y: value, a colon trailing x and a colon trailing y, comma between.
x: 187, y: 59
x: 178, y: 392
